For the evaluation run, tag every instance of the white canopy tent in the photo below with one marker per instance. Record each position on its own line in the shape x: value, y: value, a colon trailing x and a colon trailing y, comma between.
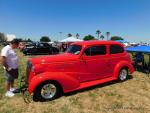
x: 10, y: 37
x: 70, y: 39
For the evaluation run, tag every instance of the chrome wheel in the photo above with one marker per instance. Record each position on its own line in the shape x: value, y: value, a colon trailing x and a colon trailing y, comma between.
x: 123, y: 74
x: 48, y: 91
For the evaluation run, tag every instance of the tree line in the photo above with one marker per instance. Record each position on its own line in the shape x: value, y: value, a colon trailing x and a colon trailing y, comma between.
x: 3, y: 38
x: 99, y: 36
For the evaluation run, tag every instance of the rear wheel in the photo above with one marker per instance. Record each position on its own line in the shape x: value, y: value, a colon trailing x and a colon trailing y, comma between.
x: 48, y: 90
x: 123, y: 74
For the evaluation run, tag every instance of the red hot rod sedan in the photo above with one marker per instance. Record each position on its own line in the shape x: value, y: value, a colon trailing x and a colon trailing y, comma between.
x: 84, y: 64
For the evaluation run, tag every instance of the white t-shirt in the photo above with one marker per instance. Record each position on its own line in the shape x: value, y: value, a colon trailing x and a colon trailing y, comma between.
x: 11, y: 57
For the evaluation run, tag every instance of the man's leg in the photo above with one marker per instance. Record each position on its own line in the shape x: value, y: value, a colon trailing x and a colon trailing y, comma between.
x: 12, y: 84
x: 9, y: 84
x: 12, y: 89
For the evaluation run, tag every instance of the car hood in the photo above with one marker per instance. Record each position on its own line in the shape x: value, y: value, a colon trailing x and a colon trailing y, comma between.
x: 54, y: 58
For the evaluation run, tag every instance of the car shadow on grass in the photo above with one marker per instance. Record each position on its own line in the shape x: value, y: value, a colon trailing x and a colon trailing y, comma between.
x: 97, y: 86
x: 87, y: 89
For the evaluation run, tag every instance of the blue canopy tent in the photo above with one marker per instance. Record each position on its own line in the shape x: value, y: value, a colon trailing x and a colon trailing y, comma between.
x: 142, y: 49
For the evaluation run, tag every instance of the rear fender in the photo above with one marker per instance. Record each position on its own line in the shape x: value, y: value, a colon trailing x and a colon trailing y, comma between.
x: 122, y: 64
x: 67, y: 83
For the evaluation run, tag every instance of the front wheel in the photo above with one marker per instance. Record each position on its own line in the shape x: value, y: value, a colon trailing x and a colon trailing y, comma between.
x: 47, y: 91
x: 123, y: 74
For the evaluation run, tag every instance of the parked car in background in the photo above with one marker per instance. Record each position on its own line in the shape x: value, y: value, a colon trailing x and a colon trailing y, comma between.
x: 84, y: 64
x: 5, y: 43
x: 40, y: 48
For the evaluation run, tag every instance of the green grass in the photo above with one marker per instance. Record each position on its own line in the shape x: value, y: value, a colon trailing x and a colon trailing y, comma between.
x: 131, y: 96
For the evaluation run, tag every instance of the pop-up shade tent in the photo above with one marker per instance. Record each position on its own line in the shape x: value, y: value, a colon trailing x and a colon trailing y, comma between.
x: 121, y: 41
x: 70, y: 39
x: 142, y: 49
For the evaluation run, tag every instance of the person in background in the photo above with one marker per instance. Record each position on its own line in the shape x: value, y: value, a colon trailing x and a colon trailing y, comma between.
x: 9, y: 61
x: 22, y: 46
x: 64, y: 47
x: 139, y: 61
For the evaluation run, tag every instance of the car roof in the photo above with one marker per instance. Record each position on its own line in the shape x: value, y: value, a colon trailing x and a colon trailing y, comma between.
x: 96, y: 42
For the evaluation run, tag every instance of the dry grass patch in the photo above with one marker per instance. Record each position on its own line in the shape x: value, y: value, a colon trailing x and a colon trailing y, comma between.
x: 131, y: 96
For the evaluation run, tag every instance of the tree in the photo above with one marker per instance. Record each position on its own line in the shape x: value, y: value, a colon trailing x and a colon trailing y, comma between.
x: 2, y: 37
x: 102, y: 37
x: 69, y: 35
x: 20, y: 39
x: 98, y: 32
x: 116, y: 38
x: 89, y: 37
x: 27, y: 40
x: 107, y: 34
x: 77, y: 35
x: 45, y: 39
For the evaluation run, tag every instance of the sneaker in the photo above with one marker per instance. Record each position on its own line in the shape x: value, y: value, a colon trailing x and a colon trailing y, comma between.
x: 12, y: 89
x: 9, y: 94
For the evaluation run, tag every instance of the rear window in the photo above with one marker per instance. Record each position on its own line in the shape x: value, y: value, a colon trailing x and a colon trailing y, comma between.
x: 95, y: 50
x: 114, y: 49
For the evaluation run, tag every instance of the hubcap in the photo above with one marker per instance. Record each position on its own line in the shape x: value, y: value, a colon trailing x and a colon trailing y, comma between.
x: 48, y: 91
x: 123, y: 74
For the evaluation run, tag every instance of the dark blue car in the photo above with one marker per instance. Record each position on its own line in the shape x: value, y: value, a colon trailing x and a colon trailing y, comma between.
x: 40, y: 48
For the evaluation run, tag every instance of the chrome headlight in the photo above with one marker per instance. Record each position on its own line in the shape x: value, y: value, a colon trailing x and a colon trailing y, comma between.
x: 29, y: 65
x: 32, y: 69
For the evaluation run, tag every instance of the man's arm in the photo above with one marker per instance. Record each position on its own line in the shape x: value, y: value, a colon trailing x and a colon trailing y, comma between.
x: 3, y: 61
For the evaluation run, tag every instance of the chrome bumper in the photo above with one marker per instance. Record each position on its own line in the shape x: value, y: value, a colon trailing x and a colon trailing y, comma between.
x: 24, y: 90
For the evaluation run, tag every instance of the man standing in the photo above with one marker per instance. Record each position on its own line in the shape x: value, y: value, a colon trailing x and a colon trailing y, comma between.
x: 10, y: 63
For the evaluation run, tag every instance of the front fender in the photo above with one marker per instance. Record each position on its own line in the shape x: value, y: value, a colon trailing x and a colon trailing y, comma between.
x: 67, y: 82
x: 121, y: 65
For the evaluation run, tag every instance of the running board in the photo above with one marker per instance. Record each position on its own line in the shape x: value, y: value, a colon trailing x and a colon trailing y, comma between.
x: 96, y: 82
x: 93, y: 83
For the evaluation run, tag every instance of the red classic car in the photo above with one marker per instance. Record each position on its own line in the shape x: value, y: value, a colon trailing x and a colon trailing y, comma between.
x: 84, y: 64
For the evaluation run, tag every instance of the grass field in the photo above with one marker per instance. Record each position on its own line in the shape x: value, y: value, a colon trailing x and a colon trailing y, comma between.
x: 131, y: 96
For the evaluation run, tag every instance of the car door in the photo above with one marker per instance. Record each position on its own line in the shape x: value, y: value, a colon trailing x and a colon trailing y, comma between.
x: 94, y: 63
x: 42, y: 48
x: 116, y: 55
x: 48, y: 48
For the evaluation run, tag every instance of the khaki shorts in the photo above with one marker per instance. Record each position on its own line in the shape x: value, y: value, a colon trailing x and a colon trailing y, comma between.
x: 11, y: 75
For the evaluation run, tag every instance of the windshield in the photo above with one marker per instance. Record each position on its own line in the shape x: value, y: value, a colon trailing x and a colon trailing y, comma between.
x: 74, y: 49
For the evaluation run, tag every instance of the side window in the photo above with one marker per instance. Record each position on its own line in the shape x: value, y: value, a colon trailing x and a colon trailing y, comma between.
x: 114, y: 49
x: 47, y: 45
x: 95, y: 50
x: 41, y: 45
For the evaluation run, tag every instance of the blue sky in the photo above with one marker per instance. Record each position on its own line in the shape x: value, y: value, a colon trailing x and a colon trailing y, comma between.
x: 129, y: 19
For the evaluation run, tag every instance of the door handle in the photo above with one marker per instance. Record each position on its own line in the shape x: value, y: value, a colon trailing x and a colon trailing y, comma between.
x: 108, y: 64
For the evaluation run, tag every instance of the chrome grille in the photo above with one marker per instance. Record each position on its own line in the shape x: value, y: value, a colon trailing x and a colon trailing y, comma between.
x: 29, y: 65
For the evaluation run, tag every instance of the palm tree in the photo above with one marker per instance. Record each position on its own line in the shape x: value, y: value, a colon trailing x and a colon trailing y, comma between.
x: 69, y: 35
x: 98, y: 32
x: 102, y: 37
x: 77, y: 35
x: 107, y: 34
x: 60, y: 34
